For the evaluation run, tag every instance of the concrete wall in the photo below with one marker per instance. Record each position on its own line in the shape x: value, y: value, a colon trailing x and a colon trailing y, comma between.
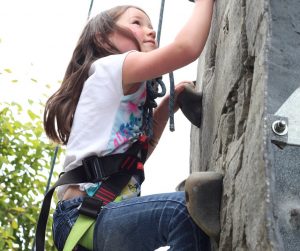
x: 246, y: 38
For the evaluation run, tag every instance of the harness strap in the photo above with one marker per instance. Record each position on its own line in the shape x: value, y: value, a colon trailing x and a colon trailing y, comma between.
x: 79, y: 229
x: 85, y: 173
x: 95, y: 169
x: 87, y: 240
x: 83, y: 229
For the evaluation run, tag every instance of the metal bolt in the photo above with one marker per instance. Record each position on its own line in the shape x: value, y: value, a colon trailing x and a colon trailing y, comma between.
x: 280, y: 127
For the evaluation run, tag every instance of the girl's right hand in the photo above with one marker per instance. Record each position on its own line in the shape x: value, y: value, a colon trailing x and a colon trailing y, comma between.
x: 180, y: 87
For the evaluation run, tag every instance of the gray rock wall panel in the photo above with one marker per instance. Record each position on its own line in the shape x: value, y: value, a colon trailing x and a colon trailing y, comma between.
x: 252, y: 55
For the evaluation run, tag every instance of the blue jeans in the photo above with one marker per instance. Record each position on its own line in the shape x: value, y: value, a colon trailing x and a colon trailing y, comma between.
x: 138, y: 224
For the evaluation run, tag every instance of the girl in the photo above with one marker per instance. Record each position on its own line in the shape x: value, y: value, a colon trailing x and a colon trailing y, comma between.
x: 100, y: 110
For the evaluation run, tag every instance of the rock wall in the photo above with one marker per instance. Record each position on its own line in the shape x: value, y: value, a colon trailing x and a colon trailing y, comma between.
x: 253, y: 48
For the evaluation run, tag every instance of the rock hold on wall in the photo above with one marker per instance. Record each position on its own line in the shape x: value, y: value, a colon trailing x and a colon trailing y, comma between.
x: 248, y: 70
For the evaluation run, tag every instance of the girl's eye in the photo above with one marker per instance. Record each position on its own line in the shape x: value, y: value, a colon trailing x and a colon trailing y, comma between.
x: 136, y: 22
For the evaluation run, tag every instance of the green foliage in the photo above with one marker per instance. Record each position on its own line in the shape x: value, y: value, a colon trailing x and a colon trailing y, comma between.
x: 25, y: 156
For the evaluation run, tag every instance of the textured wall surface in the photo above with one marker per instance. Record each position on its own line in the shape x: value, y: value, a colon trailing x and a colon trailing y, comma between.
x: 254, y: 45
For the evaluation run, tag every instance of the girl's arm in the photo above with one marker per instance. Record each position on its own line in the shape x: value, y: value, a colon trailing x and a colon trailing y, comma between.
x: 186, y: 48
x: 161, y: 116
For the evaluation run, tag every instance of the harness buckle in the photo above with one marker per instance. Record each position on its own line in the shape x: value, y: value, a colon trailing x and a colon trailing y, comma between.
x: 90, y: 207
x: 94, y: 170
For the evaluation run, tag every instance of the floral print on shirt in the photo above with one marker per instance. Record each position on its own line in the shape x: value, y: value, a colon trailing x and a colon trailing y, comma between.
x: 128, y: 122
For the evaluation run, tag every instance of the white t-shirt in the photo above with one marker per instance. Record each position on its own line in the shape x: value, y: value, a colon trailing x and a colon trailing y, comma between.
x: 105, y: 121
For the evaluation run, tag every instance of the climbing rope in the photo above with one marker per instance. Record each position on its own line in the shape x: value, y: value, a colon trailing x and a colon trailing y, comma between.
x: 153, y: 88
x: 52, y: 168
x: 90, y: 9
x: 171, y: 102
x: 53, y: 160
x: 171, y: 75
x: 160, y: 21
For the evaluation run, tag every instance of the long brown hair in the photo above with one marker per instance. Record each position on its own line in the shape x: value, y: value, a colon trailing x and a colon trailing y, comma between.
x: 93, y: 44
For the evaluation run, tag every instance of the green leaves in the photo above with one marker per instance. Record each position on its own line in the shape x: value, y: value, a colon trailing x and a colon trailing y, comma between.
x: 25, y: 156
x: 32, y: 115
x: 8, y: 70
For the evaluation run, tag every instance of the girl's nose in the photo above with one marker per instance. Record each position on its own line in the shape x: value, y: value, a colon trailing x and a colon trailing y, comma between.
x: 151, y: 33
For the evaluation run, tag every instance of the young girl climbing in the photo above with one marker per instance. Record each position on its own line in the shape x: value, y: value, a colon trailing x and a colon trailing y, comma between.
x: 103, y: 114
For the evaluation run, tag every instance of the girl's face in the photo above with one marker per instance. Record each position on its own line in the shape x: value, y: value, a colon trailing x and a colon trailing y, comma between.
x: 139, y: 23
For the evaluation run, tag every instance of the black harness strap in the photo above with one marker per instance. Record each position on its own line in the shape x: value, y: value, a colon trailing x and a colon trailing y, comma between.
x: 108, y: 191
x: 114, y: 171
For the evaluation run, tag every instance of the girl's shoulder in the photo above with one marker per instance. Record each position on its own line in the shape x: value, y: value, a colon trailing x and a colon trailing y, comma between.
x: 108, y: 62
x: 111, y: 58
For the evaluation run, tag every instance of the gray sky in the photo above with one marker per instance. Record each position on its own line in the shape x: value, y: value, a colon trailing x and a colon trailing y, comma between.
x: 37, y: 40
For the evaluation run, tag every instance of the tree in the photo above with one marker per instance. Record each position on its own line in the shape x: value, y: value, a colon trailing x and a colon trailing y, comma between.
x: 25, y: 156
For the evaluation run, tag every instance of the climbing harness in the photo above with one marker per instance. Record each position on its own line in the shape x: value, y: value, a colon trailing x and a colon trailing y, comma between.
x: 82, y: 231
x: 114, y: 173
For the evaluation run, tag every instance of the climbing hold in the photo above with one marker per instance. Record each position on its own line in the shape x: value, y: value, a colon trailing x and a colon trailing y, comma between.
x: 190, y: 103
x: 203, y: 199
